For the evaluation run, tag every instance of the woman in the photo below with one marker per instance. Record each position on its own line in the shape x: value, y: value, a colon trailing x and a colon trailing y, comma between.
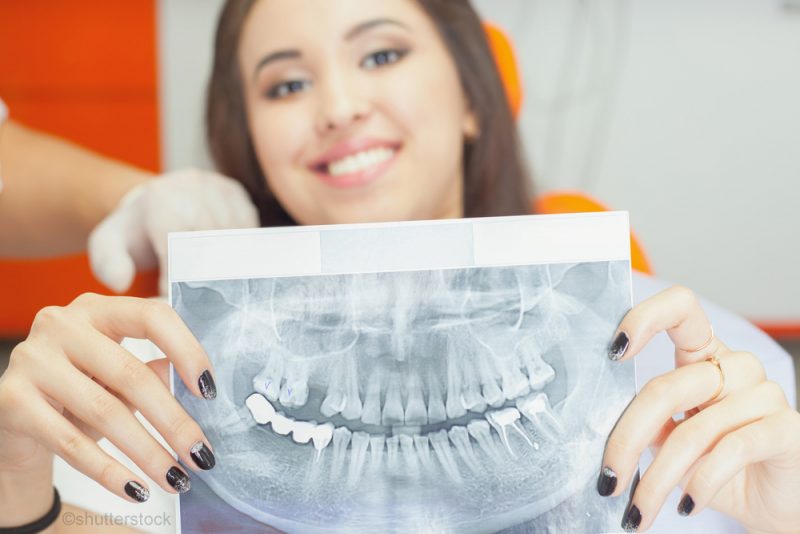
x: 363, y: 111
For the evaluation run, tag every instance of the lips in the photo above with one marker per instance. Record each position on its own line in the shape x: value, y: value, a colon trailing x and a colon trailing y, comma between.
x: 355, y: 162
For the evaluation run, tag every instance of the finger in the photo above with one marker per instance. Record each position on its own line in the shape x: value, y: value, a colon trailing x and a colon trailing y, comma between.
x: 661, y: 398
x: 771, y: 438
x: 111, y: 418
x: 161, y: 368
x: 694, y: 437
x: 675, y: 310
x: 119, y: 317
x: 109, y: 258
x: 136, y: 382
x: 49, y: 428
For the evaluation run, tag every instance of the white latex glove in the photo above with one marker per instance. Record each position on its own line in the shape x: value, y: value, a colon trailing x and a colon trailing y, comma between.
x: 134, y: 236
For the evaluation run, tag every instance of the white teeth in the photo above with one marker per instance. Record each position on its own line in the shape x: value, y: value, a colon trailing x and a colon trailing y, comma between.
x: 341, y: 438
x: 358, y: 453
x: 371, y: 413
x: 491, y: 392
x: 335, y: 400
x: 281, y: 424
x: 436, y: 409
x: 352, y: 407
x: 479, y: 430
x: 441, y: 446
x: 453, y: 402
x: 423, y: 449
x: 302, y: 431
x: 416, y: 413
x: 268, y: 381
x: 504, y: 419
x: 407, y: 449
x: 294, y: 392
x: 376, y: 444
x: 322, y: 436
x: 405, y: 430
x: 536, y: 408
x: 359, y: 162
x: 460, y: 438
x: 392, y: 445
x: 260, y: 408
x: 540, y: 373
x: 514, y: 382
x: 393, y: 406
x: 471, y: 394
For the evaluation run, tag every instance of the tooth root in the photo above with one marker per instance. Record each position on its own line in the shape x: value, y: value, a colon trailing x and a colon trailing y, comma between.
x: 260, y: 408
x: 423, y: 449
x: 393, y: 406
x: 407, y: 449
x: 322, y: 437
x: 491, y: 392
x: 359, y: 443
x: 540, y: 373
x: 281, y: 424
x: 480, y: 431
x: 392, y: 445
x: 302, y: 431
x: 415, y: 413
x: 536, y: 409
x: 352, y: 408
x: 502, y: 421
x: 268, y: 381
x: 441, y: 446
x: 460, y: 438
x: 371, y: 413
x: 341, y: 438
x: 335, y: 399
x: 471, y: 395
x: 437, y: 412
x: 453, y: 402
x: 376, y: 444
x: 515, y: 383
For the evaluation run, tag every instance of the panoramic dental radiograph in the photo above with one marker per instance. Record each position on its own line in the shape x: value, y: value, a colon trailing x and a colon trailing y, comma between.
x: 466, y: 399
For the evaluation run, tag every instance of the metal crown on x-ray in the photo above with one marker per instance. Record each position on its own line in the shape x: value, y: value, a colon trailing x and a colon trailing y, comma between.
x: 463, y: 399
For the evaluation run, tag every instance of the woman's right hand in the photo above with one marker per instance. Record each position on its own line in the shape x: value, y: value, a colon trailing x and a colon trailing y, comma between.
x: 70, y: 383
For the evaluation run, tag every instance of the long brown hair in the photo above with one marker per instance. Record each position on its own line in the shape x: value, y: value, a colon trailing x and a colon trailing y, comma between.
x: 495, y: 178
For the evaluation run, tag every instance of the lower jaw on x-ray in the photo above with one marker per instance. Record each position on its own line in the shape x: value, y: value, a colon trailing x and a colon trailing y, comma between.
x: 470, y: 399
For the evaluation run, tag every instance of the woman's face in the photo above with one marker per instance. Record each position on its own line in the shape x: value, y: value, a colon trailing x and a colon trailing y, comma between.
x: 355, y: 110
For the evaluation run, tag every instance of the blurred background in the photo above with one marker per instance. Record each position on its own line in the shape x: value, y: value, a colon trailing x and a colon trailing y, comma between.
x: 683, y: 112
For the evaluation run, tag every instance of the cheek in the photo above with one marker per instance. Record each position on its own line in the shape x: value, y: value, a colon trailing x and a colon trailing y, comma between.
x: 278, y: 140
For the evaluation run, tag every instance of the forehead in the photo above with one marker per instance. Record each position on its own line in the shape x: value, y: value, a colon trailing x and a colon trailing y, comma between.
x: 307, y: 23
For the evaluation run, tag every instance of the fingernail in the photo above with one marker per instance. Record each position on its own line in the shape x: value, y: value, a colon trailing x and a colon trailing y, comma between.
x: 606, y: 482
x: 136, y: 491
x: 686, y: 505
x: 202, y: 455
x: 632, y: 519
x: 178, y: 480
x: 207, y: 386
x: 619, y: 347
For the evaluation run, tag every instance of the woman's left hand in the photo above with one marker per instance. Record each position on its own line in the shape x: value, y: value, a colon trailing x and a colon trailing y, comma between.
x: 737, y: 450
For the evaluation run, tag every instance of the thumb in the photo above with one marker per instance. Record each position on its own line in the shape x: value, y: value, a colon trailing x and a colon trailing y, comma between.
x: 109, y: 257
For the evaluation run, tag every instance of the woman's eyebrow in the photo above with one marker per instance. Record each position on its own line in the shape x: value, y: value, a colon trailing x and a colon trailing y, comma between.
x: 369, y: 24
x: 275, y: 56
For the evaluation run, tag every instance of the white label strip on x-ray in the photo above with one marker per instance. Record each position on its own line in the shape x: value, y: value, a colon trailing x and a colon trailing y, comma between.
x: 380, y: 247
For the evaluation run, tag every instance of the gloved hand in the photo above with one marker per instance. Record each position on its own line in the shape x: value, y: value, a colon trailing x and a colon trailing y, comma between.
x: 134, y: 236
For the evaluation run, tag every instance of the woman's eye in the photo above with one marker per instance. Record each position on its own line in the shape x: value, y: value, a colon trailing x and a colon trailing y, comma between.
x: 383, y: 57
x: 285, y: 89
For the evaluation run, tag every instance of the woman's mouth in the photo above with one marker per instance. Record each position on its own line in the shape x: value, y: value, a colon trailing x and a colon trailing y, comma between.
x: 355, y: 164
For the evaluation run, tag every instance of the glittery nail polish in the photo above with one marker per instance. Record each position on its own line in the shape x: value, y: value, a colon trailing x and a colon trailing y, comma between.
x: 686, y: 505
x: 136, y: 491
x: 202, y: 455
x: 178, y: 480
x: 606, y: 482
x: 619, y: 346
x: 632, y: 519
x: 207, y: 386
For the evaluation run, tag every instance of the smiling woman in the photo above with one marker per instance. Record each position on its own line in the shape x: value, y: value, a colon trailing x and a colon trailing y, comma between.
x: 367, y: 111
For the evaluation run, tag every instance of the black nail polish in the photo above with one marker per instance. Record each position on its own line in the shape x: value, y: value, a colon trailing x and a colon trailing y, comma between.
x: 178, y: 480
x: 632, y: 519
x: 606, y: 482
x: 686, y: 505
x: 202, y: 455
x: 207, y: 386
x: 619, y: 347
x: 136, y: 491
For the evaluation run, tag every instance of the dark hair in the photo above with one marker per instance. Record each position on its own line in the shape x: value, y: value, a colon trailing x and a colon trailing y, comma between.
x: 495, y: 179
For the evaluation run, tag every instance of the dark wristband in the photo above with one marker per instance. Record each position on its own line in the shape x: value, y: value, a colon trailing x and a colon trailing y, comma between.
x: 40, y: 524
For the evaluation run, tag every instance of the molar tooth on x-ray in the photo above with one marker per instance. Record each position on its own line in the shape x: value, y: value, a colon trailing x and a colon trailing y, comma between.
x: 364, y: 409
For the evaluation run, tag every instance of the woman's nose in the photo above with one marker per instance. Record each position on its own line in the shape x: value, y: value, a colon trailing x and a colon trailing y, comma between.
x: 341, y: 104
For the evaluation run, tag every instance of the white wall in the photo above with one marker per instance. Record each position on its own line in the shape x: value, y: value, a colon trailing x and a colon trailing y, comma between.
x: 685, y: 112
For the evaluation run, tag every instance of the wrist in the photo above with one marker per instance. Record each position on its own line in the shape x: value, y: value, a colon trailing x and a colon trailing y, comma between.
x: 25, y: 496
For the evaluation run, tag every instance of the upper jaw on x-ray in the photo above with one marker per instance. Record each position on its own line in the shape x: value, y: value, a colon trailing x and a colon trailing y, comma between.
x: 463, y: 399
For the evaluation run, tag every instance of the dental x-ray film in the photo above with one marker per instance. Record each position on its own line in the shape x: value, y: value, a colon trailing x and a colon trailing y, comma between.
x: 443, y: 376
